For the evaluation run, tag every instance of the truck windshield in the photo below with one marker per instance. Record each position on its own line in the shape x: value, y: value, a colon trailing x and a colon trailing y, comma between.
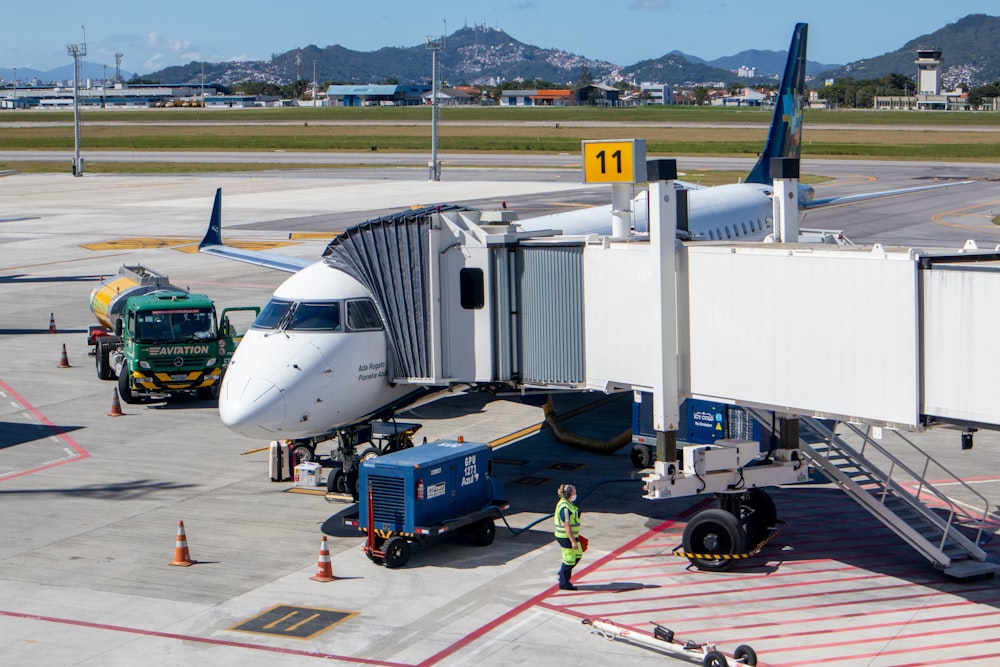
x: 159, y: 326
x: 272, y: 315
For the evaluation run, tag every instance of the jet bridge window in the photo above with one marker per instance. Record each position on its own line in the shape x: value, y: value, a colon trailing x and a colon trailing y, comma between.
x: 472, y: 289
x: 362, y: 316
x: 315, y: 317
x: 272, y: 315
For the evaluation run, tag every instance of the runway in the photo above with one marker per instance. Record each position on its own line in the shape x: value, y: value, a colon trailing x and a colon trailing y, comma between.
x: 91, y: 502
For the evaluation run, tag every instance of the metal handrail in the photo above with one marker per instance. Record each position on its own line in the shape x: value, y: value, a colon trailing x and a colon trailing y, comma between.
x: 922, y: 479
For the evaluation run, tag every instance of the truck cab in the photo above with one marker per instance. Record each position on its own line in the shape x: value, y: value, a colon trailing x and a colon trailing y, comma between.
x: 171, y: 342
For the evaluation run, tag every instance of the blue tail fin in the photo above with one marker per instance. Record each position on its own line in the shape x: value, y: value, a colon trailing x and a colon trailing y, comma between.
x: 213, y: 235
x: 785, y: 136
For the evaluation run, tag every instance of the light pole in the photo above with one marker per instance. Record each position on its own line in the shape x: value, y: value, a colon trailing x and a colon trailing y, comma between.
x: 77, y: 51
x: 434, y: 45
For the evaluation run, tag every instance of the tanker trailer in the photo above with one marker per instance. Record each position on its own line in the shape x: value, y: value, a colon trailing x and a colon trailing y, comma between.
x: 157, y: 338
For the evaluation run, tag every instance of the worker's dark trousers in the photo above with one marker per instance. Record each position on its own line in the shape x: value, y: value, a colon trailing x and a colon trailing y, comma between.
x: 565, y: 570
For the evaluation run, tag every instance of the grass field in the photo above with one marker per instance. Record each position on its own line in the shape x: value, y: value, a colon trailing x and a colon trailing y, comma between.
x: 673, y: 131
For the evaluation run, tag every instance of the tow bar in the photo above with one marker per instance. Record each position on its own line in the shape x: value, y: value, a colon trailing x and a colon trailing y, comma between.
x: 662, y: 639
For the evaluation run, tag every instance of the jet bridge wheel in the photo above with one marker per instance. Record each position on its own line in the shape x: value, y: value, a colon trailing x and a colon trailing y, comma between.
x: 758, y: 515
x: 711, y: 536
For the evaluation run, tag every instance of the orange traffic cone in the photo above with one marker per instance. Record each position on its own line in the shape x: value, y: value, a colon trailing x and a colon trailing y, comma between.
x: 64, y: 360
x: 324, y: 569
x: 52, y: 323
x: 181, y: 554
x: 116, y: 406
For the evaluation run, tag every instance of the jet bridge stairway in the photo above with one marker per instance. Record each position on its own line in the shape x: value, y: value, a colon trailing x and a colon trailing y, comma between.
x: 940, y: 529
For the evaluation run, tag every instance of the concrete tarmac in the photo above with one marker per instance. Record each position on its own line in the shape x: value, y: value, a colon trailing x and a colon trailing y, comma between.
x: 91, y: 502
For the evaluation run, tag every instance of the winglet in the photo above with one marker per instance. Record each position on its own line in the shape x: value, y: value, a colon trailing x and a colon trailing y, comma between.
x: 785, y: 136
x: 213, y: 235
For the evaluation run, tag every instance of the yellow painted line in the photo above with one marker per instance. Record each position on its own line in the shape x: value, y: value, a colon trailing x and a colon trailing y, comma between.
x: 136, y: 243
x: 523, y: 433
x: 283, y: 618
x: 306, y: 490
x: 938, y: 218
x: 304, y: 236
x: 244, y: 245
x: 296, y: 626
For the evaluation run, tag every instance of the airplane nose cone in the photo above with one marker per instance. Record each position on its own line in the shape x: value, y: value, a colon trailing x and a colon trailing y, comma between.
x: 252, y: 406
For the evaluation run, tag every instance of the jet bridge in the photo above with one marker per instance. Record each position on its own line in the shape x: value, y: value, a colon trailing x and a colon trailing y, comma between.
x: 468, y: 297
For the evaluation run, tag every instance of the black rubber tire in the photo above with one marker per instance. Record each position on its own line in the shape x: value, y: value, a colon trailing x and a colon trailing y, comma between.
x: 367, y: 453
x: 101, y: 353
x: 713, y: 532
x: 336, y: 481
x: 124, y: 388
x: 351, y: 482
x: 484, y: 531
x: 757, y: 514
x: 641, y: 456
x: 208, y: 393
x: 302, y: 453
x: 397, y: 552
x: 746, y: 654
x: 714, y: 659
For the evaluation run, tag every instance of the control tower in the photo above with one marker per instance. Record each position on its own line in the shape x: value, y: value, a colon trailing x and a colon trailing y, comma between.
x: 928, y: 71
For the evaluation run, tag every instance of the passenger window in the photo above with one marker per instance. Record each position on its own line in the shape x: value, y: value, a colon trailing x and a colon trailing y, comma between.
x: 728, y: 235
x: 745, y: 232
x: 711, y: 235
x: 362, y: 316
x: 471, y: 288
x: 316, y: 317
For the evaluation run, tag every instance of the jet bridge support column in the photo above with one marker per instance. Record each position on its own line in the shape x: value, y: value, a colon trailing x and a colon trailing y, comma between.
x: 785, y: 202
x: 663, y: 240
x: 621, y: 210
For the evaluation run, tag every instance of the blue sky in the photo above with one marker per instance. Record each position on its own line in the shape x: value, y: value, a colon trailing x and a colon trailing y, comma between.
x: 155, y: 35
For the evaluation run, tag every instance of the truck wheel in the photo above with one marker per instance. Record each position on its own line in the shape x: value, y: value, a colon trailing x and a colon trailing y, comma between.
x: 710, y: 535
x: 397, y: 552
x: 125, y: 386
x: 641, y: 456
x: 101, y: 354
x: 484, y: 531
x: 209, y: 393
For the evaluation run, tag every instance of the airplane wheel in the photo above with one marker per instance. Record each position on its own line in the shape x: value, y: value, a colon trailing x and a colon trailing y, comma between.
x: 367, y: 453
x: 397, y: 552
x: 124, y: 388
x: 757, y: 514
x: 710, y: 533
x: 715, y: 659
x: 336, y: 482
x: 302, y: 453
x: 746, y: 654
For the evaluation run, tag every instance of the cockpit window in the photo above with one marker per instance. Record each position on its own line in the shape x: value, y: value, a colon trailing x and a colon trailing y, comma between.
x: 362, y: 316
x: 272, y: 315
x: 315, y: 317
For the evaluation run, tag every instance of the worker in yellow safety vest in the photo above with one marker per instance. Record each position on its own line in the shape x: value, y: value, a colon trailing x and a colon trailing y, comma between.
x: 567, y: 532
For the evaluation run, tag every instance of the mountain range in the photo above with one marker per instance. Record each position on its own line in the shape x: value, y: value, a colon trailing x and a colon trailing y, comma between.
x: 486, y: 56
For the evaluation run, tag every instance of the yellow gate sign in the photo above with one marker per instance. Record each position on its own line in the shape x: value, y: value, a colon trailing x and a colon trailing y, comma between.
x: 621, y: 161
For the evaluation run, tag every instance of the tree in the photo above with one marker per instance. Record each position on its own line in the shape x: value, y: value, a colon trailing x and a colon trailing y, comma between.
x: 585, y: 79
x: 700, y: 95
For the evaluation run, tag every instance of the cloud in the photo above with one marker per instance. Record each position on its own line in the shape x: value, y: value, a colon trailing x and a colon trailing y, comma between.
x: 153, y: 63
x: 650, y: 5
x: 178, y: 45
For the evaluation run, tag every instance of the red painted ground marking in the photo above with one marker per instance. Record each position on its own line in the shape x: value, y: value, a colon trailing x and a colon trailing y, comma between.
x: 81, y: 453
x: 538, y: 599
x: 923, y: 648
x: 201, y: 640
x: 827, y: 605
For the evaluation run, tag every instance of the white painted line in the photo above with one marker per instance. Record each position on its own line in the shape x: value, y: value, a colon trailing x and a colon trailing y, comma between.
x: 489, y: 645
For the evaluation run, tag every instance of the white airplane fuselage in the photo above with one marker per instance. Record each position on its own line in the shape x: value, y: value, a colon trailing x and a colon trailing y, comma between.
x: 289, y: 382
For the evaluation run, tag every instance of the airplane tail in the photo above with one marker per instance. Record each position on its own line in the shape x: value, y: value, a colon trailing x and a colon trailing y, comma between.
x: 213, y: 235
x: 785, y: 136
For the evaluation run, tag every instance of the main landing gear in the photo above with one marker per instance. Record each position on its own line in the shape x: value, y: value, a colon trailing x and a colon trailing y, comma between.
x: 741, y: 525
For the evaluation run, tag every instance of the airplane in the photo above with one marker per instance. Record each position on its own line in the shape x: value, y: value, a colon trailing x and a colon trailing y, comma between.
x: 313, y: 366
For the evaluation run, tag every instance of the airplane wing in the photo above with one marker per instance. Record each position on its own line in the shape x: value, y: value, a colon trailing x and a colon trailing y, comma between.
x: 847, y: 199
x: 212, y: 245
